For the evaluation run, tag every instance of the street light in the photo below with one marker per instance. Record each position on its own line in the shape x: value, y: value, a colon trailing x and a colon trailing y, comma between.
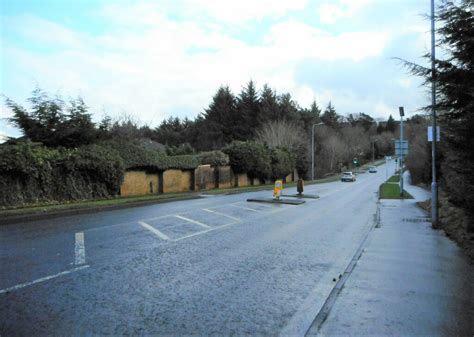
x: 312, y: 149
x: 402, y: 113
x: 373, y: 150
x: 434, y: 186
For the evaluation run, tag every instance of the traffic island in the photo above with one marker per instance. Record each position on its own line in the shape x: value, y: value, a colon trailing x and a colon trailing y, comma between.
x: 277, y: 201
x: 301, y: 196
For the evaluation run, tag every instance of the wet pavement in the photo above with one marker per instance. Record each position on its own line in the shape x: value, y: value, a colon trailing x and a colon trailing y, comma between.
x: 409, y: 281
x: 212, y: 266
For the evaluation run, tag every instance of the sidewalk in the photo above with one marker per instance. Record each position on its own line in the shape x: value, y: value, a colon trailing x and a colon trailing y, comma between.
x: 410, y: 280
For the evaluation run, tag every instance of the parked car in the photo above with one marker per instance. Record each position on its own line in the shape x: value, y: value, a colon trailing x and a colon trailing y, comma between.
x: 348, y: 176
x: 372, y: 169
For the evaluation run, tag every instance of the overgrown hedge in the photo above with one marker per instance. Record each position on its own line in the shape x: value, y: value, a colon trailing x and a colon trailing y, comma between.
x: 213, y: 158
x: 32, y: 174
x: 136, y: 156
x: 259, y: 161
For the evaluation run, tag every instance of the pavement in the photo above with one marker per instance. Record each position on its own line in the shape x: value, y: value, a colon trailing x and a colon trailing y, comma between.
x: 224, y: 266
x: 410, y: 280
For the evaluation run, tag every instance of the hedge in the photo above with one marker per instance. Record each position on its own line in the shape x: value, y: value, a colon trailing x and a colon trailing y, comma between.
x: 30, y: 174
x: 250, y: 157
x: 283, y: 163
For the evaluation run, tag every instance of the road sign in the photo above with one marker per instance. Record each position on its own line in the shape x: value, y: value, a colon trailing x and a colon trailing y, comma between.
x: 430, y: 134
x: 401, y: 148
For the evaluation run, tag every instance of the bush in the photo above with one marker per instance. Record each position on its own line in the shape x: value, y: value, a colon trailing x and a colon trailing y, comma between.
x: 213, y: 158
x: 251, y: 158
x: 283, y: 163
x: 31, y: 174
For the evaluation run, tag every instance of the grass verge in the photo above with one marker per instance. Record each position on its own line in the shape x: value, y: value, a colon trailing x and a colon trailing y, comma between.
x: 394, y: 179
x: 392, y: 191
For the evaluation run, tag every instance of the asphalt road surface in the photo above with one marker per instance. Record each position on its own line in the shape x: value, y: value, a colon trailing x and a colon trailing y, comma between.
x: 212, y: 266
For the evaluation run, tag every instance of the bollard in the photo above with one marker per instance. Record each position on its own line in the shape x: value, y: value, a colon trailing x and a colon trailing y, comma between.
x: 300, y: 186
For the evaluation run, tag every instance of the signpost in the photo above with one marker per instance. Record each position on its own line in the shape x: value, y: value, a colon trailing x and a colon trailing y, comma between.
x: 430, y: 134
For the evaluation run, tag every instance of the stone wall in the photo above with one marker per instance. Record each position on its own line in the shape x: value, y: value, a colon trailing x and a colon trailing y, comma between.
x: 139, y: 183
x: 204, y: 177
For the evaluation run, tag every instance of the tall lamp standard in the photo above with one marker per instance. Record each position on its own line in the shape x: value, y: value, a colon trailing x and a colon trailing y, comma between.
x: 312, y: 149
x: 373, y: 150
x: 434, y: 186
x: 402, y: 113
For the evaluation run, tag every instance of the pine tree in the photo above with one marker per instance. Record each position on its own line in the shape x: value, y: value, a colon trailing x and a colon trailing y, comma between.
x: 330, y: 116
x: 269, y: 109
x: 391, y: 125
x: 247, y: 120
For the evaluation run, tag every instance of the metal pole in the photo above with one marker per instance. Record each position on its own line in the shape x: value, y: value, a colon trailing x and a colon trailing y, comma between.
x: 373, y: 147
x: 312, y: 152
x: 401, y: 155
x: 434, y: 186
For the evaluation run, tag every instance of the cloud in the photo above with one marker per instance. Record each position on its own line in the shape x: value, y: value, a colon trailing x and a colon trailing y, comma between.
x: 333, y: 11
x: 152, y: 64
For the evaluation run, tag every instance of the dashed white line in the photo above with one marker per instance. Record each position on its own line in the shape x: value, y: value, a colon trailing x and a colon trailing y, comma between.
x: 23, y: 285
x: 154, y: 231
x: 192, y: 221
x: 80, y: 249
x: 219, y: 213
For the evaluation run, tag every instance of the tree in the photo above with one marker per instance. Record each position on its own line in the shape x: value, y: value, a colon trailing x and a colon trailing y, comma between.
x: 454, y: 78
x: 391, y: 126
x: 269, y: 110
x: 218, y: 119
x: 53, y: 123
x: 246, y: 120
x: 330, y: 117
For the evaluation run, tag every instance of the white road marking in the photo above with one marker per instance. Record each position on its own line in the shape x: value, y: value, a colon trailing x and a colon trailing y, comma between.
x: 219, y: 213
x: 203, y: 232
x: 246, y: 208
x: 80, y: 249
x: 192, y: 221
x: 154, y: 230
x: 23, y: 285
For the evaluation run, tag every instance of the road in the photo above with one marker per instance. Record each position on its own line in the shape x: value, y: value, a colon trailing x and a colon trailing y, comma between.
x: 216, y: 265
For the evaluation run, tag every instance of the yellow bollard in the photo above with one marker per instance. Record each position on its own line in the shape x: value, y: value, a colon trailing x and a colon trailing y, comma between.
x: 277, y: 189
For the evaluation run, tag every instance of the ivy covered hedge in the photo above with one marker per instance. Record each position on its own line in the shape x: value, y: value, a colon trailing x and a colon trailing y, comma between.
x: 259, y: 161
x: 32, y: 174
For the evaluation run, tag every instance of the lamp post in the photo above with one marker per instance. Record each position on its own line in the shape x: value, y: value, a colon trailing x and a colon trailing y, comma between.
x: 373, y: 150
x: 402, y: 113
x: 434, y: 186
x: 312, y: 149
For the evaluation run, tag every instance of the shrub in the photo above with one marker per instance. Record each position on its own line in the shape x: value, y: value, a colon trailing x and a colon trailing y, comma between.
x: 250, y: 157
x: 213, y: 158
x: 30, y: 174
x: 283, y: 163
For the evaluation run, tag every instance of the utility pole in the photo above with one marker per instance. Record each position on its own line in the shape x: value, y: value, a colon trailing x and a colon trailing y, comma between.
x: 373, y: 150
x: 402, y: 113
x: 434, y: 185
x: 312, y: 149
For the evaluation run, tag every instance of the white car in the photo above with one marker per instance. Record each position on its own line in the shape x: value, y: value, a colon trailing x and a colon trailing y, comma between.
x: 348, y: 176
x: 372, y: 169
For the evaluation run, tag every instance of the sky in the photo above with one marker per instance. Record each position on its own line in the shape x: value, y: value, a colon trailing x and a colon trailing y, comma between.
x: 156, y: 59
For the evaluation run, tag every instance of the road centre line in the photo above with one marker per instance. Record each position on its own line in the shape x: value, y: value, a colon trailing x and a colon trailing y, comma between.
x: 79, y: 249
x: 154, y: 231
x: 192, y: 221
x: 23, y: 285
x: 219, y: 213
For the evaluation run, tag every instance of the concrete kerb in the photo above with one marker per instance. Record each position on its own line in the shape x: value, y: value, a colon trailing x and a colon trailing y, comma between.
x: 41, y: 215
x: 6, y: 219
